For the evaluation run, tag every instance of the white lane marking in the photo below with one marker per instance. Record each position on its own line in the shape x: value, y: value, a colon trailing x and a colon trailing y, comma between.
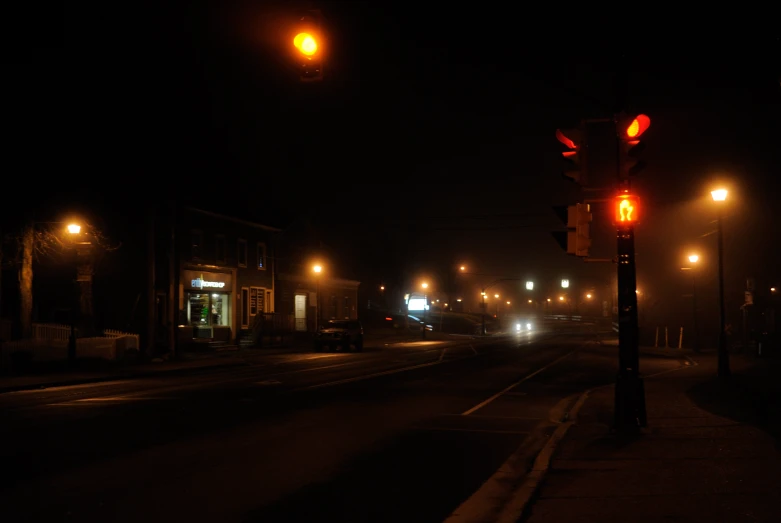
x: 368, y: 376
x: 442, y: 356
x: 507, y: 389
x: 70, y: 387
x: 484, y: 431
x: 482, y: 416
x: 90, y: 402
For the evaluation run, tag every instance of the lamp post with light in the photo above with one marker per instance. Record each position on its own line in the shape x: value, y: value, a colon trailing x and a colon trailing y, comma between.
x: 719, y: 196
x: 693, y: 259
x: 317, y: 269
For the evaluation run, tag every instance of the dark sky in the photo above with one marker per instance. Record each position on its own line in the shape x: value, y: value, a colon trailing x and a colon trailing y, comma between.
x: 431, y: 142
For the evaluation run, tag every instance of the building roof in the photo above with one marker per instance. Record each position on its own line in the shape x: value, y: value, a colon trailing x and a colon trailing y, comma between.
x: 326, y: 280
x: 233, y: 219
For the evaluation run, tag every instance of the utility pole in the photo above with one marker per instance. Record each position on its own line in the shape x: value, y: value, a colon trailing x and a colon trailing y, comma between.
x: 151, y: 284
x: 173, y: 305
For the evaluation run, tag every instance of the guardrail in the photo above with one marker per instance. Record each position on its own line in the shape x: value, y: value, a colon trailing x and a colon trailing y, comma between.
x: 563, y: 317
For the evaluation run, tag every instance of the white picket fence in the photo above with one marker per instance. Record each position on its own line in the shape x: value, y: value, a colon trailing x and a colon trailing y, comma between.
x: 50, y: 343
x: 51, y: 331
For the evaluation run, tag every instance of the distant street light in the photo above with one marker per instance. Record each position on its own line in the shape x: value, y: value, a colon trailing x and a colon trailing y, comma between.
x: 588, y: 296
x: 305, y: 43
x: 720, y: 195
x: 74, y: 228
x: 424, y: 285
x: 496, y: 296
x: 564, y: 284
x: 694, y: 258
x: 529, y: 285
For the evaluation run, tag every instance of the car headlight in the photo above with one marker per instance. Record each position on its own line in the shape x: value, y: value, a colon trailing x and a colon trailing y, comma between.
x: 518, y: 327
x: 528, y: 326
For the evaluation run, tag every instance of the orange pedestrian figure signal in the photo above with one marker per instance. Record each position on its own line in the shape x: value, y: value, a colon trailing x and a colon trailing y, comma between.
x: 626, y: 209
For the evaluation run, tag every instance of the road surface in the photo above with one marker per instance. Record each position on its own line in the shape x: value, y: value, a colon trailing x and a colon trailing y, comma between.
x: 403, y: 433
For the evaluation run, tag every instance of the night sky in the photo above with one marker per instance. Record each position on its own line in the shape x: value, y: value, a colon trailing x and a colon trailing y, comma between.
x: 431, y: 142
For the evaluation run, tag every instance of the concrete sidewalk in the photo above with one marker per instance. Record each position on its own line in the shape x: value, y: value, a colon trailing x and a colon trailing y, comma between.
x: 194, y: 362
x: 702, y: 457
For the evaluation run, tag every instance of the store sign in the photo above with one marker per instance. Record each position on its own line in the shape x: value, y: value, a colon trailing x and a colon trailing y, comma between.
x: 198, y: 281
x: 203, y: 284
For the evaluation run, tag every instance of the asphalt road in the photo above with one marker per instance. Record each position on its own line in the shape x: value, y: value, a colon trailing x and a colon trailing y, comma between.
x: 403, y: 433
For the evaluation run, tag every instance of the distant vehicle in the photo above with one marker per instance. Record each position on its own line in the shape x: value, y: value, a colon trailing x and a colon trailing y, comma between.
x: 342, y: 334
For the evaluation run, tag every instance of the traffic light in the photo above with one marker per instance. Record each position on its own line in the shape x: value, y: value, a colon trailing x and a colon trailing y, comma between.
x: 629, y: 131
x: 577, y: 238
x: 627, y: 207
x: 575, y: 155
x: 308, y: 43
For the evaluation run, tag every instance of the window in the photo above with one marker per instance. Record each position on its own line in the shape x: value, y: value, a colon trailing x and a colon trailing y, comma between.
x: 256, y: 300
x: 219, y: 248
x: 261, y: 256
x: 196, y: 244
x: 347, y: 307
x: 242, y: 254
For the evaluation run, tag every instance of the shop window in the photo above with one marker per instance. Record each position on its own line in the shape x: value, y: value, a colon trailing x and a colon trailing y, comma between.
x: 205, y: 309
x: 242, y: 254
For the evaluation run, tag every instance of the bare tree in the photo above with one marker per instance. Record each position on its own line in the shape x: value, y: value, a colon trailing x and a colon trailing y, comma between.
x: 47, y: 240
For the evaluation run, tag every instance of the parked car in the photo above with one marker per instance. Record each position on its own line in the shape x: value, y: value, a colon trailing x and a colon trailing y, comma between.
x: 342, y: 334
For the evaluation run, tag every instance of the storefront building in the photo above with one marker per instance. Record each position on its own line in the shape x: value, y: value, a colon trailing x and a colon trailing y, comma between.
x: 213, y: 280
x: 298, y: 296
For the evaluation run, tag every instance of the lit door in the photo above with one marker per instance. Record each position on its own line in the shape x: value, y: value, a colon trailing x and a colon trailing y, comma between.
x: 300, y: 309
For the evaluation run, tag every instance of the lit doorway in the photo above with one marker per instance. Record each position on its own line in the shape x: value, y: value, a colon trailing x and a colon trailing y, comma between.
x: 300, y: 310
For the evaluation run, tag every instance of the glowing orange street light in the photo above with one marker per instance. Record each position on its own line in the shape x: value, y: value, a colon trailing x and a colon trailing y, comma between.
x: 627, y: 209
x: 74, y: 228
x: 305, y: 43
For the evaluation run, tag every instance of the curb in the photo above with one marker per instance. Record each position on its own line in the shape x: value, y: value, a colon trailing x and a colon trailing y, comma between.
x: 521, y: 496
x: 524, y: 494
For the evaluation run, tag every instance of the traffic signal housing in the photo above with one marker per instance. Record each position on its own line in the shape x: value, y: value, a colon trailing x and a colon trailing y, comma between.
x: 630, y: 129
x: 627, y: 209
x: 308, y: 43
x: 576, y: 240
x: 575, y: 155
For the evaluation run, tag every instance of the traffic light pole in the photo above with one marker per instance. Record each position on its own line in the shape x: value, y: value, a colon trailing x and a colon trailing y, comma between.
x: 630, y: 393
x: 630, y: 411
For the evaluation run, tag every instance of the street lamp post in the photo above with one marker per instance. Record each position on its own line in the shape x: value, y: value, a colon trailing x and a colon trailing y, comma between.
x: 694, y: 258
x: 424, y: 285
x: 720, y: 195
x: 317, y: 269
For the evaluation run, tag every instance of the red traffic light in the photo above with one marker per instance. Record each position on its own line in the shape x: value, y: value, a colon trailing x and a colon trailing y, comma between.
x: 627, y: 208
x: 571, y: 141
x: 637, y: 127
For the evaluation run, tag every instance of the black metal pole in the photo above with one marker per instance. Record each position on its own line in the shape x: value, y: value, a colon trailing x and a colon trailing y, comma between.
x: 694, y: 313
x: 484, y: 307
x: 724, y: 370
x: 630, y: 410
